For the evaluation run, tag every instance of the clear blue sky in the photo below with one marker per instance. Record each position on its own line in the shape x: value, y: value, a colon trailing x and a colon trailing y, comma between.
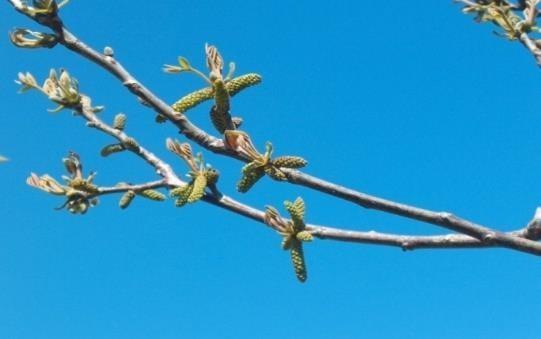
x: 413, y: 103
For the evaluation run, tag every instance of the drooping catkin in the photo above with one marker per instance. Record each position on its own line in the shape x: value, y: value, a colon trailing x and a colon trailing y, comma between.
x: 110, y: 149
x: 249, y: 178
x: 297, y: 259
x: 199, y: 184
x: 126, y: 199
x: 183, y: 195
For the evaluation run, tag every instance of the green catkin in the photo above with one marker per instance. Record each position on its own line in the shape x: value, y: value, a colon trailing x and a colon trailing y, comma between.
x: 296, y: 209
x: 183, y: 195
x: 236, y: 85
x: 152, y: 195
x: 177, y: 192
x: 249, y: 178
x: 286, y: 242
x: 289, y: 162
x: 304, y: 236
x: 297, y: 259
x: 110, y: 149
x: 275, y: 173
x: 193, y: 99
x: 126, y: 199
x: 233, y: 87
x: 199, y: 184
x: 221, y: 96
x: 219, y: 114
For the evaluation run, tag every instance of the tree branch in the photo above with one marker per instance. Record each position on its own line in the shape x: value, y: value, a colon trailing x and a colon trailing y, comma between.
x: 474, y: 235
x: 521, y: 237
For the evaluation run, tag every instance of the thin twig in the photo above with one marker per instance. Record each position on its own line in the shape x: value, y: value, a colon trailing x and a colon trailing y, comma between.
x: 530, y: 44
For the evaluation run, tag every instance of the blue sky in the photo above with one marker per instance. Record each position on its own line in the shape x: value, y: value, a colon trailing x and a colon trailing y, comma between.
x: 413, y: 103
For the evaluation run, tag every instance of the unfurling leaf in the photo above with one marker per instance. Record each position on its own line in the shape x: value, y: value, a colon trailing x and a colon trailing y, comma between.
x: 501, y: 15
x: 73, y: 165
x: 120, y: 122
x: 240, y: 142
x: 152, y: 195
x: 110, y: 149
x: 43, y: 7
x: 27, y: 81
x: 215, y: 63
x: 80, y: 192
x: 63, y: 90
x: 47, y: 184
x: 183, y: 150
x: 126, y: 199
x: 184, y: 64
x: 26, y: 38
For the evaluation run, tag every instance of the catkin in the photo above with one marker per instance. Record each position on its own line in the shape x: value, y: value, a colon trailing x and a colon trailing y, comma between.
x: 193, y: 99
x: 249, y: 178
x: 236, y: 85
x: 289, y: 162
x: 297, y: 258
x: 199, y: 184
x: 110, y: 149
x: 152, y: 195
x: 126, y: 199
